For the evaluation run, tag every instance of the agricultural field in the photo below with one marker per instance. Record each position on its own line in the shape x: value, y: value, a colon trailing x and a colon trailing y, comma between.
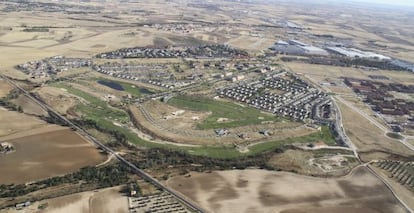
x: 14, y: 122
x: 259, y: 190
x: 160, y: 104
x: 46, y: 153
x: 106, y: 200
x: 370, y: 140
x: 4, y: 88
x: 29, y: 107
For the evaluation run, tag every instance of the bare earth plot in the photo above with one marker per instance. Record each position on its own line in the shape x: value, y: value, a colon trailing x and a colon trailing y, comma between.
x: 12, y: 122
x: 265, y: 191
x: 103, y: 201
x: 29, y: 106
x: 4, y: 88
x: 42, y: 155
x: 369, y: 139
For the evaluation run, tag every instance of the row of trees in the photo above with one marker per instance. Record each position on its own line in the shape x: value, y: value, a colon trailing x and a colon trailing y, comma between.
x: 102, y: 177
x: 6, y: 101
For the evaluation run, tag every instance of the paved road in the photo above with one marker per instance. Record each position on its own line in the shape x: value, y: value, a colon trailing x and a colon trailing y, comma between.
x: 138, y: 171
x: 373, y: 121
x: 353, y: 147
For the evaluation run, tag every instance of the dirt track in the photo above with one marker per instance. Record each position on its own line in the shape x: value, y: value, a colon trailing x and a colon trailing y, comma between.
x: 47, y: 154
x: 265, y: 191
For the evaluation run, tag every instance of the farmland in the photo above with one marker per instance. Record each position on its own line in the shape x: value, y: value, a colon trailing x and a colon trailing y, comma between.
x: 183, y: 86
x: 258, y: 190
x: 46, y: 154
x: 107, y: 200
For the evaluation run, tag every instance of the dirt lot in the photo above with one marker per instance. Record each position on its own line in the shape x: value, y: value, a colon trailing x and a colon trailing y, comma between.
x: 102, y: 201
x: 12, y: 122
x: 29, y: 106
x: 265, y: 191
x: 310, y: 163
x: 4, y: 88
x: 57, y: 98
x: 45, y: 154
x: 369, y: 138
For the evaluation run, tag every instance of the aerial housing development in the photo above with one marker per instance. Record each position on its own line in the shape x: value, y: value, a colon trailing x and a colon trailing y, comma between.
x: 206, y: 106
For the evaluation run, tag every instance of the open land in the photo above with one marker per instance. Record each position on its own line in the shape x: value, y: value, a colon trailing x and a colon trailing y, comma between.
x: 106, y: 200
x: 258, y: 190
x: 13, y: 122
x: 146, y: 79
x: 46, y: 154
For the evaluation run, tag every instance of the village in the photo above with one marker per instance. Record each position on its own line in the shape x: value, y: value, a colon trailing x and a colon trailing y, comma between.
x: 389, y: 100
x: 284, y: 95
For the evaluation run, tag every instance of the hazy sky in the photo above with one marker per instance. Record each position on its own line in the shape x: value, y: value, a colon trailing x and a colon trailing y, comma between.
x: 394, y: 2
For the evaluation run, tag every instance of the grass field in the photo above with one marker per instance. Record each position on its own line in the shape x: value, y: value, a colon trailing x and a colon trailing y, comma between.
x: 96, y: 109
x: 236, y: 114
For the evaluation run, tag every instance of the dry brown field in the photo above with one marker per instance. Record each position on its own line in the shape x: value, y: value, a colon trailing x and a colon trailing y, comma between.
x: 405, y: 194
x: 368, y: 138
x: 59, y: 99
x: 311, y: 164
x: 108, y: 200
x: 266, y: 191
x: 46, y: 154
x: 4, y: 88
x: 28, y: 106
x: 13, y: 122
x: 323, y: 73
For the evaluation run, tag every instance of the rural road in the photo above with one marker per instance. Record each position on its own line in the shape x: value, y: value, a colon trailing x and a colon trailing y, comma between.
x: 354, y: 148
x: 109, y: 151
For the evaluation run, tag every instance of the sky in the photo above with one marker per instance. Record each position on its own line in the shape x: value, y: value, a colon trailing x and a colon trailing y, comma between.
x: 392, y: 2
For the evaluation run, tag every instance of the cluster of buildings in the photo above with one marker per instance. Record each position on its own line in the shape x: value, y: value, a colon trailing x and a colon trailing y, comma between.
x: 205, y: 51
x: 397, y: 112
x: 287, y: 96
x: 356, y: 53
x: 183, y: 28
x: 143, y: 52
x: 52, y: 66
x: 16, y: 6
x: 295, y: 47
x: 158, y: 203
x: 347, y: 56
x: 6, y: 147
x: 155, y: 74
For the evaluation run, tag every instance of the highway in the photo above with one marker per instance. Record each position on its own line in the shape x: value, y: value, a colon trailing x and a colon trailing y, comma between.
x: 99, y: 144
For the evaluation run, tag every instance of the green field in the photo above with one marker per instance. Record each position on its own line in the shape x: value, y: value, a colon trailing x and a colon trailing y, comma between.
x: 104, y: 115
x: 96, y: 109
x: 238, y: 115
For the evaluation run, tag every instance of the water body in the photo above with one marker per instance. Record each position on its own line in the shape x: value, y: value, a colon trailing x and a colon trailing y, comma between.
x: 112, y: 85
x: 145, y: 91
